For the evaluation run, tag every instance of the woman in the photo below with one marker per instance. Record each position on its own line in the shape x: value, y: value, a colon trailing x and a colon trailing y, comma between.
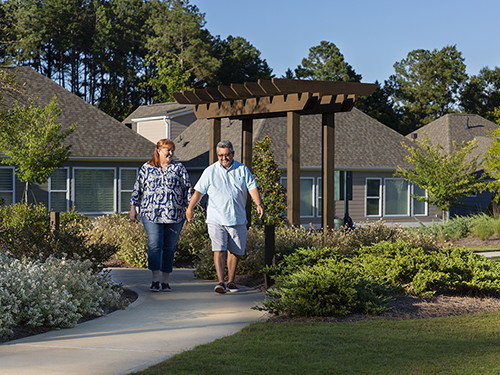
x: 164, y: 187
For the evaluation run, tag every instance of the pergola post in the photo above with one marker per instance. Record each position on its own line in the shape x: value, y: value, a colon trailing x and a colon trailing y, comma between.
x: 215, y: 134
x: 293, y: 169
x: 328, y: 171
x: 246, y: 156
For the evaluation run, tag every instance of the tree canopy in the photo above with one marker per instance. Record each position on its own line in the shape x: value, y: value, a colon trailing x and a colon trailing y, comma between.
x: 447, y: 177
x: 426, y: 84
x: 326, y: 63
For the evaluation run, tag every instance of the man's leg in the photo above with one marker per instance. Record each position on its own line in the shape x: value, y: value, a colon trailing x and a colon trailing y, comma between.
x: 220, y: 264
x: 232, y: 262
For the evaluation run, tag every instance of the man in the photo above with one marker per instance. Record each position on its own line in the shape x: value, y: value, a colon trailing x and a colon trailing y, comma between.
x: 227, y: 184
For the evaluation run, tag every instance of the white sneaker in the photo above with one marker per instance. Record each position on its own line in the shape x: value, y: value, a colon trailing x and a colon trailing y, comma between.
x: 220, y: 288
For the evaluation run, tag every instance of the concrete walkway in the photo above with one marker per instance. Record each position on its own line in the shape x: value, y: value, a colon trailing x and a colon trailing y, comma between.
x: 153, y: 328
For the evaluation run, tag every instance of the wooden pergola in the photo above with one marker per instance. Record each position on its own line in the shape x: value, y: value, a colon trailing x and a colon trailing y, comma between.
x: 280, y: 98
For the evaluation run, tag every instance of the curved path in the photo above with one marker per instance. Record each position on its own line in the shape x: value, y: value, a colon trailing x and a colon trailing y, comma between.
x: 153, y: 328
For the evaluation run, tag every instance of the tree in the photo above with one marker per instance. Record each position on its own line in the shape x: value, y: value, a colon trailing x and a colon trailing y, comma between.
x: 492, y: 167
x: 240, y: 62
x: 267, y: 175
x: 446, y: 177
x: 481, y: 94
x: 326, y: 63
x: 32, y: 138
x: 426, y: 84
x: 169, y: 78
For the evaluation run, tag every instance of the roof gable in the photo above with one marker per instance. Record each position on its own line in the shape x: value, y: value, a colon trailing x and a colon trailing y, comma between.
x: 97, y: 134
x: 459, y: 128
x: 361, y: 142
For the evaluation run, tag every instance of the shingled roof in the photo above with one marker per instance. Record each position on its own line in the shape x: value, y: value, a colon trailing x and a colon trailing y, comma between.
x: 158, y: 110
x: 361, y: 142
x: 97, y: 135
x: 459, y: 128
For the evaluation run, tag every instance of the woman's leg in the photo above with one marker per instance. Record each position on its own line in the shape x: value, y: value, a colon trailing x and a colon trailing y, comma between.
x: 171, y: 233
x: 155, y: 246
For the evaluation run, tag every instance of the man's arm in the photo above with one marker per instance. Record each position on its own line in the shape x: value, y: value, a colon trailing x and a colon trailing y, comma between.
x: 195, y: 199
x: 254, y: 193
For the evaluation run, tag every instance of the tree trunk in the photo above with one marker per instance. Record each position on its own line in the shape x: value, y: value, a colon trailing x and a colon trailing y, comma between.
x: 495, y: 208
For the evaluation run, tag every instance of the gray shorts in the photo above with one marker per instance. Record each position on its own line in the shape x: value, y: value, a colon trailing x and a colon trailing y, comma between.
x: 232, y: 238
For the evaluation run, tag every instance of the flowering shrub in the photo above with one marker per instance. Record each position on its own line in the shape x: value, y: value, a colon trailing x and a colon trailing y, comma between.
x: 55, y: 293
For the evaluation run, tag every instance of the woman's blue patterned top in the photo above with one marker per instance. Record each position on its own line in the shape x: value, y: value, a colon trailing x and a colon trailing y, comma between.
x: 163, y: 195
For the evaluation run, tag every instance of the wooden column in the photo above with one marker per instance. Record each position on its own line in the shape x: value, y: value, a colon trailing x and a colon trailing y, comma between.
x: 293, y: 168
x: 246, y: 157
x: 215, y: 135
x: 327, y: 171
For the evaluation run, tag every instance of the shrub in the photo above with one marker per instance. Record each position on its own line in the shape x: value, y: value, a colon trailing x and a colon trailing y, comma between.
x: 55, y: 293
x: 22, y: 215
x: 331, y: 288
x: 128, y: 237
x: 483, y: 226
x: 193, y: 239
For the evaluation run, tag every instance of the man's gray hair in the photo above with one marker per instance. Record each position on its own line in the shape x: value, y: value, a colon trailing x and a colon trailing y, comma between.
x: 225, y: 144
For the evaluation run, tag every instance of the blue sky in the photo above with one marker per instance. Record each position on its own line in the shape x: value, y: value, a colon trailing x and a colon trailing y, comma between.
x: 371, y: 34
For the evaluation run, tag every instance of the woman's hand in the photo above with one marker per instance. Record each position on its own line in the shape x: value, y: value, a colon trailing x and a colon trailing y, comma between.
x: 132, y: 213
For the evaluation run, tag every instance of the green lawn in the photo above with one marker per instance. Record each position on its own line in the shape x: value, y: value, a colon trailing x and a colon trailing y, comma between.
x: 465, y: 344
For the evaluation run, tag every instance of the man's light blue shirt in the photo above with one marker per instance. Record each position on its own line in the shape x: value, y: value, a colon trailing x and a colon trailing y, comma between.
x: 227, y: 191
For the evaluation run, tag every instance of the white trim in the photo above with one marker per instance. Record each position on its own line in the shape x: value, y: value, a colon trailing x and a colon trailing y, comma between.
x: 379, y: 197
x: 413, y: 200
x: 120, y: 190
x: 67, y: 191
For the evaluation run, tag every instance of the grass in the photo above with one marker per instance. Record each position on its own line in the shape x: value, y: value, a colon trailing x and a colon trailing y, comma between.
x: 466, y: 344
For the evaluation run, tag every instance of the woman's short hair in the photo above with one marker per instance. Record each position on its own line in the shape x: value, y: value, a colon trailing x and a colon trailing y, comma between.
x: 225, y: 144
x: 162, y: 143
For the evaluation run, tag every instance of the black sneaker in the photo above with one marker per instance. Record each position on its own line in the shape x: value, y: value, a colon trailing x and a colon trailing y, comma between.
x: 231, y: 286
x: 155, y: 286
x: 165, y: 287
x: 220, y: 288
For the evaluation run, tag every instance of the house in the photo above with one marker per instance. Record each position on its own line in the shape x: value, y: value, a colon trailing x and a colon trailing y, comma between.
x: 158, y: 121
x: 368, y: 150
x: 454, y: 127
x: 105, y: 155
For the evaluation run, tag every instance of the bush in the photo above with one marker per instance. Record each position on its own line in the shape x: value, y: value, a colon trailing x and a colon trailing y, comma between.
x: 193, y: 239
x: 55, y: 293
x: 331, y: 288
x: 374, y: 271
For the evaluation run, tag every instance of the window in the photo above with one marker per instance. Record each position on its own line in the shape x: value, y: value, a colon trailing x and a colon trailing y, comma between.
x: 127, y: 180
x: 340, y: 185
x: 59, y: 190
x: 373, y: 196
x: 7, y: 185
x: 319, y: 197
x: 419, y: 208
x: 306, y: 195
x: 94, y: 190
x: 397, y: 197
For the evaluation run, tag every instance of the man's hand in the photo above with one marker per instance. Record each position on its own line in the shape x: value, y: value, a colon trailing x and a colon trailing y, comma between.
x: 260, y: 210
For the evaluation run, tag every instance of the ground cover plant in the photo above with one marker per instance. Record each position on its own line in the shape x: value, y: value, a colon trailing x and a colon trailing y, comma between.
x: 53, y: 293
x: 52, y: 277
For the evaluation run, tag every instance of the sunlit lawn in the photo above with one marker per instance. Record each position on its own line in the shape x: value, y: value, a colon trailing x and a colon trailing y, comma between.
x: 467, y: 344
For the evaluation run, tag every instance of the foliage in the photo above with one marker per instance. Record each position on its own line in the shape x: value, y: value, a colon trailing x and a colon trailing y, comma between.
x: 481, y: 94
x: 128, y: 237
x: 326, y: 63
x: 55, y: 293
x: 272, y: 193
x: 332, y: 288
x: 447, y: 177
x: 323, y: 282
x: 193, y: 239
x: 33, y: 141
x: 492, y: 165
x: 240, y: 62
x: 24, y: 233
x: 455, y: 228
x: 168, y: 78
x: 426, y: 84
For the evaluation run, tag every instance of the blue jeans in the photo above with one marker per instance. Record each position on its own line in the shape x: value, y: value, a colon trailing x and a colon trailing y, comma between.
x: 162, y: 241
